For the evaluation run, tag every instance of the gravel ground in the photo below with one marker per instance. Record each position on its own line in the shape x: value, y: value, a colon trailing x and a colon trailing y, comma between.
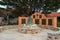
x: 13, y: 34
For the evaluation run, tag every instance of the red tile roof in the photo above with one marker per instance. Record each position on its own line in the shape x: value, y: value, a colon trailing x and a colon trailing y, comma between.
x: 53, y: 14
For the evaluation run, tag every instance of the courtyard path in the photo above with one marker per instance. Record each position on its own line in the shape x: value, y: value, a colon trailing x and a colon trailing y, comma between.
x: 13, y: 34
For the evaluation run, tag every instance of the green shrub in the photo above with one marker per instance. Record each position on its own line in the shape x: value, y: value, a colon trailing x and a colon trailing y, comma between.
x: 12, y: 23
x: 58, y: 24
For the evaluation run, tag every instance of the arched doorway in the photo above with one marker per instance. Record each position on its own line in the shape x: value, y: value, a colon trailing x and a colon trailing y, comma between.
x: 58, y: 21
x: 36, y: 21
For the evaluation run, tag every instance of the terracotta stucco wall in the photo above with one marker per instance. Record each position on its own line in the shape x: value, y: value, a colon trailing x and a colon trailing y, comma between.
x: 54, y: 14
x: 37, y: 14
x: 54, y: 22
x: 20, y: 20
x: 54, y: 19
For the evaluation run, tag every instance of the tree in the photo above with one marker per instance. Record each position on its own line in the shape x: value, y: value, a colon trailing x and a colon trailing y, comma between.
x: 1, y: 13
x: 28, y: 7
x: 51, y: 6
x: 25, y: 7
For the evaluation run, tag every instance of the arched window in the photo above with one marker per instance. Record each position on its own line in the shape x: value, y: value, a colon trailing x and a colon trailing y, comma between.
x: 33, y: 16
x: 40, y: 16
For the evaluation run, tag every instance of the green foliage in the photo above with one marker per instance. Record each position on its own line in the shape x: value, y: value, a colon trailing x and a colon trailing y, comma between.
x: 1, y: 13
x: 51, y: 5
x: 58, y: 24
x: 58, y: 21
x: 25, y: 7
x: 12, y: 23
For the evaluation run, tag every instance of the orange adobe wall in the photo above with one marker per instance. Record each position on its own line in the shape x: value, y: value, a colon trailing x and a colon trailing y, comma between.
x: 20, y: 20
x: 40, y: 16
x: 37, y: 14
